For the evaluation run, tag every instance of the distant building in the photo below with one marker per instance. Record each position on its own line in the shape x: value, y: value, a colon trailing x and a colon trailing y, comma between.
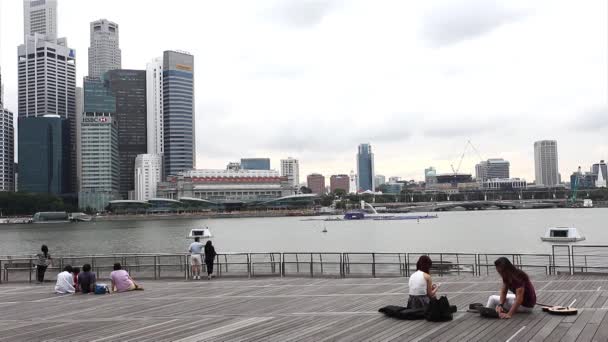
x: 353, y: 182
x: 601, y: 171
x: 454, y: 178
x: 40, y: 17
x: 233, y: 166
x: 365, y: 168
x: 100, y: 182
x: 580, y: 180
x: 44, y: 154
x: 147, y: 175
x: 7, y: 150
x: 290, y: 168
x: 379, y: 180
x: 546, y: 163
x: 341, y: 182
x: 491, y: 169
x: 104, y: 51
x: 316, y: 183
x: 504, y: 184
x: 154, y: 107
x: 392, y: 188
x: 255, y: 163
x: 178, y: 112
x: 430, y: 176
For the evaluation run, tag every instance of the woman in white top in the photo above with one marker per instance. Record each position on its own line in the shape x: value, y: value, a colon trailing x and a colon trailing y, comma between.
x: 421, y: 285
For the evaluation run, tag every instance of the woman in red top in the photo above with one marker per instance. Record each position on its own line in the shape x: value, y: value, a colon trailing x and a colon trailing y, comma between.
x: 523, y: 296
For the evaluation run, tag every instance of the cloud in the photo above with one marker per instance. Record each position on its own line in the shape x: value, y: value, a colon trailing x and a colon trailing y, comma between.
x: 592, y: 120
x: 457, y: 20
x: 302, y: 13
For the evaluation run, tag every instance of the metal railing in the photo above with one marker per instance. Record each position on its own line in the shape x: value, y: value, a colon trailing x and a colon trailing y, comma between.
x: 563, y: 259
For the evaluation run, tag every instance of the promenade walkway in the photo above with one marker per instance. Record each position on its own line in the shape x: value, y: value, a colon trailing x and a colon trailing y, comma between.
x: 293, y: 309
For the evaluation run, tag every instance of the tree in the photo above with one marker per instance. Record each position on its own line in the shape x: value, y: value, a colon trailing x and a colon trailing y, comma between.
x: 340, y: 193
x: 305, y: 190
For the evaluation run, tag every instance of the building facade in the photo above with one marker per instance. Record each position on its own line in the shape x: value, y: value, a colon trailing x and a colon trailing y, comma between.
x: 290, y: 168
x: 104, y: 52
x: 100, y: 161
x: 40, y: 17
x: 148, y: 169
x: 601, y: 171
x: 379, y: 180
x: 178, y: 112
x: 546, y: 163
x: 365, y: 168
x: 492, y: 168
x: 255, y: 163
x: 154, y: 104
x: 7, y: 150
x: 316, y: 183
x: 430, y: 176
x: 44, y: 154
x: 504, y: 184
x: 339, y: 182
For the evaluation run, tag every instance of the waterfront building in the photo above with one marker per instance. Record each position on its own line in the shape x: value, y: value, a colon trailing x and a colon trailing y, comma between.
x: 78, y: 135
x: 430, y: 176
x: 546, y: 163
x: 454, y: 178
x: 7, y: 150
x: 393, y: 188
x: 44, y: 154
x: 601, y: 171
x: 255, y: 163
x: 504, y: 184
x: 100, y: 182
x: 148, y: 169
x: 339, y: 182
x: 226, y: 185
x: 379, y: 180
x: 316, y: 183
x: 365, y: 168
x: 154, y: 107
x: 233, y: 166
x: 104, y: 51
x: 40, y: 17
x: 290, y: 168
x: 492, y: 168
x: 353, y: 182
x: 580, y: 180
x: 178, y: 112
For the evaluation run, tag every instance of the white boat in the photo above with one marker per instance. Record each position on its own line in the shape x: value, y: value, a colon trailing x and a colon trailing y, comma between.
x: 562, y: 234
x: 203, y: 233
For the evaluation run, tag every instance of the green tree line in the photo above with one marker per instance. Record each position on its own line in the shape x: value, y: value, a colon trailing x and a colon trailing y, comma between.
x: 22, y: 203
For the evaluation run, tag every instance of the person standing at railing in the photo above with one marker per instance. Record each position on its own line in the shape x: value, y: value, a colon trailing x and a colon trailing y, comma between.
x: 209, y: 258
x: 517, y: 281
x: 421, y: 287
x: 43, y: 260
x: 196, y: 262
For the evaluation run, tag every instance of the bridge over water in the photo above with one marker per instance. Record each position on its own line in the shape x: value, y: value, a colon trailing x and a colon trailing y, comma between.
x: 474, y: 205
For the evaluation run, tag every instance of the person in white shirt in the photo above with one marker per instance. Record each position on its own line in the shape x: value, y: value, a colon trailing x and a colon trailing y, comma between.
x: 65, y: 281
x: 421, y: 287
x: 196, y: 249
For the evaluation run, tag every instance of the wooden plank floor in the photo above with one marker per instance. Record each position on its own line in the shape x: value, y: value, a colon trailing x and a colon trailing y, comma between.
x: 293, y: 309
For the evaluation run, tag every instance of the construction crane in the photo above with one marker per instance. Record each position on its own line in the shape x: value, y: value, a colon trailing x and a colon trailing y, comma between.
x: 466, y: 146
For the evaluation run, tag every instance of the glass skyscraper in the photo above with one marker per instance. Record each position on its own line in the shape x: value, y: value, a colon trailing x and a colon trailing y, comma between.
x: 255, y: 163
x: 365, y: 168
x: 178, y: 108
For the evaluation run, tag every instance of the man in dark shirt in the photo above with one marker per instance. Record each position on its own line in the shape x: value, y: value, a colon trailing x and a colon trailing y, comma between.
x: 86, y: 279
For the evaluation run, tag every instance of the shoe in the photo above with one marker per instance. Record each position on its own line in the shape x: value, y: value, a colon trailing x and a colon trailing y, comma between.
x: 488, y: 312
x: 475, y: 307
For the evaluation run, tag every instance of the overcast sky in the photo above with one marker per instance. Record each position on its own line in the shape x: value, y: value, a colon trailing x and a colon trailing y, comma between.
x: 314, y: 78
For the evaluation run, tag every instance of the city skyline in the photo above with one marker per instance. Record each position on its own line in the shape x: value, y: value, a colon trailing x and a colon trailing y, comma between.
x: 232, y: 80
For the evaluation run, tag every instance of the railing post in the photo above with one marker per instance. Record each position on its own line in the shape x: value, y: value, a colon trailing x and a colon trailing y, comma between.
x: 282, y: 265
x: 321, y: 260
x: 374, y: 265
x: 30, y: 269
x: 311, y: 267
x: 441, y: 263
x: 155, y: 265
x: 457, y: 264
x: 248, y: 266
x: 342, y: 265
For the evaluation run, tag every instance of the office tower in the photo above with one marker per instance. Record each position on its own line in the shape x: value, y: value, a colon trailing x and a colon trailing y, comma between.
x: 104, y: 52
x: 316, y: 183
x: 255, y: 163
x: 365, y: 168
x: 1, y: 91
x: 546, y: 163
x: 492, y: 169
x: 430, y: 176
x: 353, y: 182
x: 379, y: 180
x: 601, y: 171
x: 7, y: 150
x: 178, y: 112
x: 147, y: 175
x: 78, y: 118
x: 44, y: 154
x: 128, y: 89
x: 100, y: 161
x: 40, y: 17
x: 339, y: 182
x: 154, y: 104
x: 290, y: 168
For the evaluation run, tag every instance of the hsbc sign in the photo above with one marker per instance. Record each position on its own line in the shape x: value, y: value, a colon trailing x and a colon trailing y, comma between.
x: 99, y: 119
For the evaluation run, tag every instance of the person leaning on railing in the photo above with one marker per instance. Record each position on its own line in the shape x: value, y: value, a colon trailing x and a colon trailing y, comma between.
x: 517, y: 281
x: 43, y: 260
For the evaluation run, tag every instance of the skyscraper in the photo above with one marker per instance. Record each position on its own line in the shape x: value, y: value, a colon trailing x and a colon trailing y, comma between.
x: 104, y: 52
x: 492, y: 169
x: 128, y: 88
x: 40, y: 16
x: 178, y: 112
x: 339, y: 182
x: 255, y: 163
x: 601, y: 171
x: 430, y: 176
x: 154, y: 104
x: 546, y: 163
x: 7, y: 150
x: 365, y: 168
x: 316, y: 183
x: 290, y: 168
x: 78, y: 118
x: 147, y: 175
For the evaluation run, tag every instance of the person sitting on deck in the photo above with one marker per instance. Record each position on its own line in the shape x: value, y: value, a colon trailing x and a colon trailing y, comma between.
x: 517, y: 281
x: 421, y: 287
x: 87, y: 280
x: 122, y: 281
x: 65, y: 281
x: 75, y: 272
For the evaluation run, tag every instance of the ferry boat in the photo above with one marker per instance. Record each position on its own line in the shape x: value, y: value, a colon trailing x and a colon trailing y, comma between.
x: 203, y: 233
x: 50, y: 217
x: 562, y: 234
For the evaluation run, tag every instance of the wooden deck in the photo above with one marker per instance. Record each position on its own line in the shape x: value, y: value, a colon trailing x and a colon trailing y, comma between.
x: 293, y: 309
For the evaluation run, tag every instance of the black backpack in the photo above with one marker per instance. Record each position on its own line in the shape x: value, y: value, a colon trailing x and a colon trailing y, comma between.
x: 439, y: 310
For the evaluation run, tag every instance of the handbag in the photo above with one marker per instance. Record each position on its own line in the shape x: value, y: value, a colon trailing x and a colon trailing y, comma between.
x: 439, y: 310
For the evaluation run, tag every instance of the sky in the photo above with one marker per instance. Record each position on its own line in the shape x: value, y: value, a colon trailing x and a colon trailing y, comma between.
x: 312, y: 79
